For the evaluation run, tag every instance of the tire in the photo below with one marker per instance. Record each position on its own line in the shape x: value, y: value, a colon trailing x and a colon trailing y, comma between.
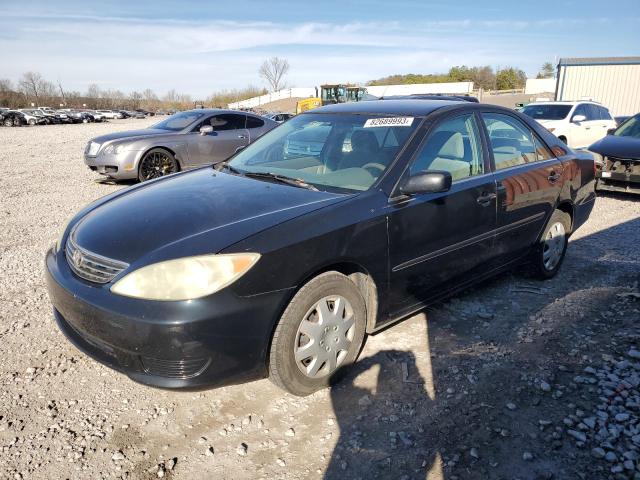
x: 32, y: 122
x: 346, y: 330
x: 8, y: 122
x: 157, y: 163
x: 548, y: 254
x: 563, y: 139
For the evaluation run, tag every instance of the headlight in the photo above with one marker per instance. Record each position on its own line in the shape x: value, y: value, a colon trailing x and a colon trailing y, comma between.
x: 185, y: 278
x: 115, y: 149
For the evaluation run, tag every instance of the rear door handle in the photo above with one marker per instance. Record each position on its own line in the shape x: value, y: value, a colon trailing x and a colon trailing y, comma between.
x: 485, y: 199
x: 242, y: 136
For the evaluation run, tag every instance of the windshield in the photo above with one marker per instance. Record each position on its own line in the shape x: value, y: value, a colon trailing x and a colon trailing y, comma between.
x: 178, y: 121
x: 337, y: 152
x: 630, y: 128
x: 547, y: 112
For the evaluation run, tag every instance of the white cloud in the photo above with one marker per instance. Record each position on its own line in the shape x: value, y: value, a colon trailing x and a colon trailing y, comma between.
x: 199, y: 57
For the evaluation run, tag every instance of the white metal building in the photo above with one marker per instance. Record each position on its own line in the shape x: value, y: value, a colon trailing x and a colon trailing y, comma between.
x: 612, y: 81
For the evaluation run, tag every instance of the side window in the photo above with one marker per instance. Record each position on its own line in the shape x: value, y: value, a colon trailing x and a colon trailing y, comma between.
x: 454, y: 146
x: 226, y: 121
x: 511, y: 141
x: 604, y: 114
x: 542, y: 152
x: 580, y: 110
x: 253, y: 122
x: 592, y: 112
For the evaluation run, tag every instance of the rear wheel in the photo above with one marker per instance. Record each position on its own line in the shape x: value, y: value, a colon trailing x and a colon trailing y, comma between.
x: 7, y: 122
x: 321, y: 331
x: 156, y: 163
x: 562, y: 138
x: 32, y: 122
x: 548, y: 255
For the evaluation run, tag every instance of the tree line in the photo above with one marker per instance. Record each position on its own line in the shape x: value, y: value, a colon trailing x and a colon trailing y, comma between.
x: 33, y: 88
x: 507, y: 78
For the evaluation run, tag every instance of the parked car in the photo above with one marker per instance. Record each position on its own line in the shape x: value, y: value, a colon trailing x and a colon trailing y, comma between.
x: 578, y: 124
x: 13, y: 118
x: 146, y: 113
x: 110, y: 114
x: 279, y: 117
x: 618, y: 158
x: 49, y: 116
x: 137, y: 115
x: 33, y: 117
x: 621, y: 119
x: 267, y: 265
x: 186, y: 140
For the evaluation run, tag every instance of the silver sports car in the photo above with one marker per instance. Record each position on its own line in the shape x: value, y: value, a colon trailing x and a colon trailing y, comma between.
x: 184, y: 140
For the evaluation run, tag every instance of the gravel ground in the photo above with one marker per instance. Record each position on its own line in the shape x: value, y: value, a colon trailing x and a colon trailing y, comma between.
x: 515, y: 379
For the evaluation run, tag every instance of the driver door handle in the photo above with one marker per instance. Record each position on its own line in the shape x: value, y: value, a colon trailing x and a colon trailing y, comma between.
x: 242, y: 136
x: 554, y: 177
x: 485, y: 199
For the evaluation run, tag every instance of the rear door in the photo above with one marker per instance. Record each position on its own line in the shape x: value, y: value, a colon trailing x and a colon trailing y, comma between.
x: 255, y: 127
x: 435, y: 240
x: 528, y: 179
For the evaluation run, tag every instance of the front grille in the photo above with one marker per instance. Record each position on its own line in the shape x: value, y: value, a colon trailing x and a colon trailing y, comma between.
x: 186, y: 368
x: 91, y: 266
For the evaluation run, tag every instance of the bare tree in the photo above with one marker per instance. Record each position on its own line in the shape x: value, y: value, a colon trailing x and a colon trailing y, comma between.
x: 31, y: 84
x: 273, y: 71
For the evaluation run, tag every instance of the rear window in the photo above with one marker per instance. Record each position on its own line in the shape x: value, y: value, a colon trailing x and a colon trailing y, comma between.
x: 547, y: 112
x: 253, y: 122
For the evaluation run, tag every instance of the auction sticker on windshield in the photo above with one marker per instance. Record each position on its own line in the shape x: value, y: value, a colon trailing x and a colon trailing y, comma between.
x: 389, y: 122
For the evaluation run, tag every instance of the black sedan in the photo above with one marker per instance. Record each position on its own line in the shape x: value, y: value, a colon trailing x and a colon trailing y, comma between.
x: 618, y: 158
x: 12, y: 118
x: 281, y: 260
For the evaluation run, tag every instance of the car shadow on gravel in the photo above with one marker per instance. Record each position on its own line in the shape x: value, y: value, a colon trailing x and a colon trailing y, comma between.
x: 501, y: 358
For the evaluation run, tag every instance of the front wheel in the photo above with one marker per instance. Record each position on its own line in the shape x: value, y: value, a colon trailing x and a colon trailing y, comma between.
x: 32, y: 122
x: 156, y: 163
x: 320, y: 331
x: 549, y: 253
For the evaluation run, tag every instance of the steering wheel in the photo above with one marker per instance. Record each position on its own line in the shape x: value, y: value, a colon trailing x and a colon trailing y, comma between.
x: 375, y: 165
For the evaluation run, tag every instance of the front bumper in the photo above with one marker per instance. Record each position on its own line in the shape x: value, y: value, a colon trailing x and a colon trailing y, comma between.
x: 218, y: 340
x: 121, y: 166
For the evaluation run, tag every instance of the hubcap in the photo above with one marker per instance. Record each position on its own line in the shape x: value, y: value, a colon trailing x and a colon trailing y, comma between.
x: 156, y: 165
x: 553, y: 246
x: 324, y: 336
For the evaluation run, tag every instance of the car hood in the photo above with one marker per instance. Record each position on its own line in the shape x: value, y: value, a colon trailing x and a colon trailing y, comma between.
x: 131, y: 135
x: 620, y: 147
x: 190, y: 213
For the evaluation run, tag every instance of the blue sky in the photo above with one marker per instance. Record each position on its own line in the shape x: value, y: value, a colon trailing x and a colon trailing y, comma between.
x: 199, y: 47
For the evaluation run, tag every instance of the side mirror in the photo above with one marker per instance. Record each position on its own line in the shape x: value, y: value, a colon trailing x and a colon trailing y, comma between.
x: 206, y: 129
x: 427, y: 182
x: 578, y: 118
x: 611, y: 131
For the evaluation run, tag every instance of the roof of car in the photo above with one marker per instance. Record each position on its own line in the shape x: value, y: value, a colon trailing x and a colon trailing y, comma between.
x: 389, y: 107
x: 563, y: 102
x: 208, y: 111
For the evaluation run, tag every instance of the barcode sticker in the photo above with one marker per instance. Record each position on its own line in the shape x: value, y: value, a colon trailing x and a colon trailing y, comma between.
x: 389, y: 122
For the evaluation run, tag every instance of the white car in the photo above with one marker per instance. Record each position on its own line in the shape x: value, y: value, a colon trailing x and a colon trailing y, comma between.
x: 109, y: 114
x: 578, y: 124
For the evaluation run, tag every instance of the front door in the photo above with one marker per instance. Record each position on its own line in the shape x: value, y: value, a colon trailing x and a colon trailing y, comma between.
x: 528, y: 178
x: 229, y: 133
x: 435, y: 240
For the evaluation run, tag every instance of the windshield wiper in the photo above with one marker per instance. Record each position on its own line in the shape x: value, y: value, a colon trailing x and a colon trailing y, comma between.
x: 296, y: 182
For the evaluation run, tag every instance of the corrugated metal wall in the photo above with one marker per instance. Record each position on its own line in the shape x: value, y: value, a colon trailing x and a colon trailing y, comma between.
x: 617, y: 87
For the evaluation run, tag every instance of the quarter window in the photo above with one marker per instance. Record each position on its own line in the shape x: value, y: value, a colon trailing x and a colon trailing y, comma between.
x: 253, y: 122
x: 454, y: 146
x: 511, y: 142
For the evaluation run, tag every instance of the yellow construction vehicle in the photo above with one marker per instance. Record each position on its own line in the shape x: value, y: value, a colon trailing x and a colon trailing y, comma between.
x: 308, y: 104
x: 330, y: 94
